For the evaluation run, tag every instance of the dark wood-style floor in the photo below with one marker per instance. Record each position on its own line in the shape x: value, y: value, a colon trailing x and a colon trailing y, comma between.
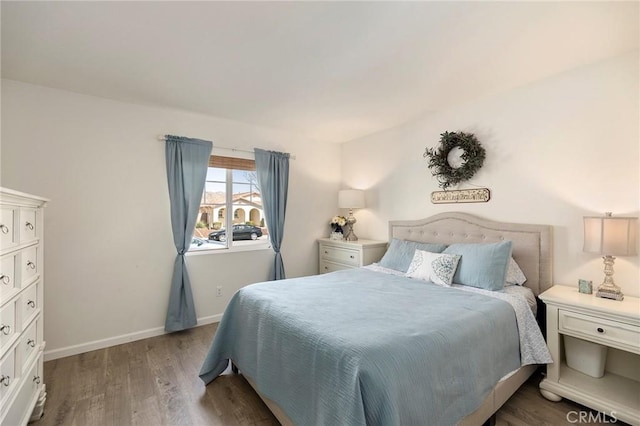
x: 155, y: 382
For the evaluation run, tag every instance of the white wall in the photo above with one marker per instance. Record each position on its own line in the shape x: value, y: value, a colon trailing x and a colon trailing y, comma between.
x: 109, y: 250
x: 557, y: 150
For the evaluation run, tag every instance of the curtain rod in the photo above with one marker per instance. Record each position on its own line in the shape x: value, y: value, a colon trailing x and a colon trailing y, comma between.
x: 291, y: 156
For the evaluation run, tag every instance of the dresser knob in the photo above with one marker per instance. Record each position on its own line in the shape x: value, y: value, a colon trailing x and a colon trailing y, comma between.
x: 5, y: 279
x: 600, y: 330
x: 4, y: 229
x: 5, y: 380
x: 31, y: 343
x: 36, y: 379
x: 326, y: 252
x: 31, y: 265
x: 29, y: 226
x: 352, y: 257
x: 5, y: 329
x: 31, y: 303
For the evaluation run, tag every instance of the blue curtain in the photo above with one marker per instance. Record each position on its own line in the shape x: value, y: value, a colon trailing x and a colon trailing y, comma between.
x: 187, y: 162
x: 273, y: 177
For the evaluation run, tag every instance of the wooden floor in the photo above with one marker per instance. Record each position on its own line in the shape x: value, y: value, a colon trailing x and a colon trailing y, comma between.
x: 155, y: 382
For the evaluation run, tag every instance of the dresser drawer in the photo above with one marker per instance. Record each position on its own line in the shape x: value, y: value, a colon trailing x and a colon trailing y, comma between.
x: 29, y: 344
x: 340, y: 255
x: 7, y: 324
x: 611, y: 333
x: 27, y: 396
x: 8, y: 236
x: 8, y: 268
x: 8, y: 375
x: 28, y: 225
x: 29, y: 264
x: 30, y: 303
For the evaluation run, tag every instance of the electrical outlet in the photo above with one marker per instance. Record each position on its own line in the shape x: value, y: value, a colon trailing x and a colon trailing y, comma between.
x: 219, y: 291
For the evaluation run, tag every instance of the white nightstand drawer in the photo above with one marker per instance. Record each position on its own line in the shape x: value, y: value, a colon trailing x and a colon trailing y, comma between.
x: 611, y: 333
x: 337, y: 254
x: 326, y: 267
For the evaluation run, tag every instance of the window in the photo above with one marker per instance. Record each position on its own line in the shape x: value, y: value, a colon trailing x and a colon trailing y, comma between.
x: 231, y: 186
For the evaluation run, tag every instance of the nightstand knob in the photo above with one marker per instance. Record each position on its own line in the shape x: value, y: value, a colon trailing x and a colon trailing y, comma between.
x: 352, y: 257
x: 600, y: 330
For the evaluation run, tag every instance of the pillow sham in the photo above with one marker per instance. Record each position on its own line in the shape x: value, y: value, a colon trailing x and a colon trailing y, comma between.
x: 482, y: 265
x: 400, y: 253
x: 515, y: 276
x: 438, y: 268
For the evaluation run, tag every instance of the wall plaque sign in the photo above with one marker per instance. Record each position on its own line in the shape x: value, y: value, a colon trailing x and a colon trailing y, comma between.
x: 479, y: 195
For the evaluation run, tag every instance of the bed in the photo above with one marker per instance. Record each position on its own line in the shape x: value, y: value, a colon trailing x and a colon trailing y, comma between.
x: 368, y: 347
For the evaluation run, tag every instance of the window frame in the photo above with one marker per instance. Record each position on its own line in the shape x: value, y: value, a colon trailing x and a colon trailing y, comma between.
x: 216, y: 160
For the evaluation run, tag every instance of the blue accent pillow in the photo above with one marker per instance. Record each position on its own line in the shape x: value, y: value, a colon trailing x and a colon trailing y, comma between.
x: 482, y: 265
x: 400, y: 253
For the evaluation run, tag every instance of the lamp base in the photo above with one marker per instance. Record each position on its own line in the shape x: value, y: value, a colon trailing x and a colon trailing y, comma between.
x: 613, y: 294
x: 608, y: 289
x: 351, y: 220
x: 351, y: 236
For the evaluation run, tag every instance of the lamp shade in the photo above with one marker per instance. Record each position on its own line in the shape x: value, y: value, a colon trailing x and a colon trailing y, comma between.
x: 350, y: 199
x: 607, y: 235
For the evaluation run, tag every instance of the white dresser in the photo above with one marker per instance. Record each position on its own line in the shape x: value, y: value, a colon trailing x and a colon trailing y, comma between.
x: 22, y: 391
x: 335, y: 255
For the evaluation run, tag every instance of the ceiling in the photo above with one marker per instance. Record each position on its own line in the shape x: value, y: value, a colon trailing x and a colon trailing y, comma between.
x: 331, y: 71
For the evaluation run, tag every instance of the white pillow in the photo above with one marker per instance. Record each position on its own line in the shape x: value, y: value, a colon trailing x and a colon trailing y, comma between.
x: 515, y: 276
x: 438, y: 268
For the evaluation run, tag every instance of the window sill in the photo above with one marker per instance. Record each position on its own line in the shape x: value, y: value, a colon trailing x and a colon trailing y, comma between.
x: 234, y: 249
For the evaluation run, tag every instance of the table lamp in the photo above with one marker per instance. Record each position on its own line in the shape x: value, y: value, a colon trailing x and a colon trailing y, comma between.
x: 350, y: 199
x: 610, y: 236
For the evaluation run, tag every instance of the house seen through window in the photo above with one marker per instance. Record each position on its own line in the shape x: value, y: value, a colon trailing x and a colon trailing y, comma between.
x: 231, y: 200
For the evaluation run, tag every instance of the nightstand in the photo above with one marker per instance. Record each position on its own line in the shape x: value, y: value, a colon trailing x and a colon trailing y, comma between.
x: 593, y: 321
x: 335, y: 255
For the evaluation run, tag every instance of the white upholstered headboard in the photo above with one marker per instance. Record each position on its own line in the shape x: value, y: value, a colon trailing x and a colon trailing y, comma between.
x: 532, y: 244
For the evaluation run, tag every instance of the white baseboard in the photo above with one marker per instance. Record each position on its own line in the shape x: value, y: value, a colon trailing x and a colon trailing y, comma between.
x: 117, y: 340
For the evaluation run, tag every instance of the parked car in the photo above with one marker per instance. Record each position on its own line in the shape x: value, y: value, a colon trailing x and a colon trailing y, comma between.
x: 240, y: 232
x: 198, y: 243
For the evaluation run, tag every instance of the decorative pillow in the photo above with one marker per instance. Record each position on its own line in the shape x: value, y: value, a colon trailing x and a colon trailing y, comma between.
x: 482, y: 265
x: 438, y: 268
x: 515, y: 276
x: 400, y: 253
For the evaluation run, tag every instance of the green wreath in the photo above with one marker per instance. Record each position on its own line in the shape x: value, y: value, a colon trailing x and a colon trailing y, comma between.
x: 473, y: 157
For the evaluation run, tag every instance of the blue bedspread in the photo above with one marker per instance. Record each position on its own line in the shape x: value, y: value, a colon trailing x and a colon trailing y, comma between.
x: 360, y: 347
